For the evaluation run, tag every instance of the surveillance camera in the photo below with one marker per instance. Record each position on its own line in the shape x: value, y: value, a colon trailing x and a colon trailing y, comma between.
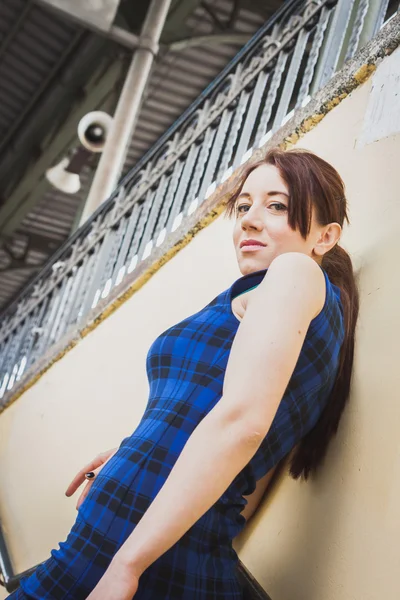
x: 93, y: 130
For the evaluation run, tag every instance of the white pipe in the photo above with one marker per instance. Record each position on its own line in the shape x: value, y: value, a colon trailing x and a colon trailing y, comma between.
x: 117, y: 144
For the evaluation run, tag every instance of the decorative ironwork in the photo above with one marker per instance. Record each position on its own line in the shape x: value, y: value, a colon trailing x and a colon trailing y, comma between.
x: 357, y: 28
x: 270, y: 78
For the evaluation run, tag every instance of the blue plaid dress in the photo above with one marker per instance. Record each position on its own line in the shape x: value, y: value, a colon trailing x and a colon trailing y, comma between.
x: 186, y: 367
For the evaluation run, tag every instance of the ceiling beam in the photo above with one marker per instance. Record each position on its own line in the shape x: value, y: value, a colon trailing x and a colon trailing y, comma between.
x: 14, y: 29
x: 19, y: 265
x: 99, y: 20
x: 227, y: 37
x: 33, y: 185
x: 19, y: 259
x: 52, y: 109
x: 72, y: 47
x: 33, y: 241
x: 97, y: 16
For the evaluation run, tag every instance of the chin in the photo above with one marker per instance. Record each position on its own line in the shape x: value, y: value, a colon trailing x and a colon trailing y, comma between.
x: 250, y: 264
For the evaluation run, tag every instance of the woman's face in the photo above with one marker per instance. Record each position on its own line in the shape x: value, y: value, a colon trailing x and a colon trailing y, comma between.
x: 261, y: 213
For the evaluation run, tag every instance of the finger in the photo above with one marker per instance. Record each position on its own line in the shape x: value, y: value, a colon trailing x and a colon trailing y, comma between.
x: 80, y: 477
x: 87, y: 487
x: 99, y: 460
x: 93, y: 474
x: 85, y: 492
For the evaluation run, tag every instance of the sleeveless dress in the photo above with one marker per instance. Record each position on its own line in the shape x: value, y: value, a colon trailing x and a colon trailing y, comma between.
x: 185, y: 368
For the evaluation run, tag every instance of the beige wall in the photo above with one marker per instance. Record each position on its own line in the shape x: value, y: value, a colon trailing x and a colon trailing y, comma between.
x: 336, y: 537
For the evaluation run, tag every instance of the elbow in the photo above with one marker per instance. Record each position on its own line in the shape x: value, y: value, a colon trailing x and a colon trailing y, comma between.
x: 242, y: 424
x: 253, y: 438
x: 242, y: 429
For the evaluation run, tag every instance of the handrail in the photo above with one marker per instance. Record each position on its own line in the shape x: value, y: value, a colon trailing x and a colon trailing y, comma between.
x: 10, y: 580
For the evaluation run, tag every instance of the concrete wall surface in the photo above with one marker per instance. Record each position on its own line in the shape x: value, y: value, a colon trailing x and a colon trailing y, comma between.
x: 334, y: 537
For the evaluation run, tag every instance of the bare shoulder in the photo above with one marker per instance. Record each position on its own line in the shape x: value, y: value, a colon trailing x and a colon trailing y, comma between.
x: 294, y: 262
x: 294, y: 279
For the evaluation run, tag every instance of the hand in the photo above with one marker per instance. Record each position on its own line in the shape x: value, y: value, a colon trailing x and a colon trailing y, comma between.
x: 119, y: 582
x: 94, y: 466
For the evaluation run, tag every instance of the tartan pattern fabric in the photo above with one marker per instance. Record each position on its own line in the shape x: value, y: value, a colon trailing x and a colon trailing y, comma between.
x: 185, y: 367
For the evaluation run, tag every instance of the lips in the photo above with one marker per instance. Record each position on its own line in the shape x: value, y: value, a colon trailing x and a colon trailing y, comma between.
x: 251, y: 242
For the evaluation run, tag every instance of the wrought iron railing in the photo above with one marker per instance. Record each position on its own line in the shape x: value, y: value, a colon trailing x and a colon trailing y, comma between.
x: 289, y: 59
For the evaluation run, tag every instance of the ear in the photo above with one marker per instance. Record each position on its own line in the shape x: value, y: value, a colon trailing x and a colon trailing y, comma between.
x: 328, y: 237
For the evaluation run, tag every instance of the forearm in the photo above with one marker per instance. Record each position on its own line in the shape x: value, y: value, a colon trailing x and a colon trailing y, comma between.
x: 215, y: 453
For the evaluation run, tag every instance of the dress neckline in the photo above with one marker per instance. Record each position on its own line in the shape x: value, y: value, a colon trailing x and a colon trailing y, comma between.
x: 246, y: 281
x: 243, y: 284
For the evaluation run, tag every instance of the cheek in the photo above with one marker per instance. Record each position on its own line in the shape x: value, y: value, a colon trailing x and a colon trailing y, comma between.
x: 284, y: 236
x: 295, y: 241
x: 279, y: 229
x: 236, y: 233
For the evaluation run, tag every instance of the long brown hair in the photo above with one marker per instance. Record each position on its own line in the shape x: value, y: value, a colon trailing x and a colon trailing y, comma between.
x: 315, y: 185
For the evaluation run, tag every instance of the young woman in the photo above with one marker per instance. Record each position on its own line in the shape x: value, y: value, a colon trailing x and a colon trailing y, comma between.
x: 263, y: 370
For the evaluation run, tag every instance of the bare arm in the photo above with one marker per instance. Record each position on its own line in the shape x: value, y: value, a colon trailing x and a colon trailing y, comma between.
x: 262, y: 359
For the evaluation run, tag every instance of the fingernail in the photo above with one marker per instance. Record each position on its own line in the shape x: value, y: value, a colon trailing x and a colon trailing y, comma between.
x: 89, y: 475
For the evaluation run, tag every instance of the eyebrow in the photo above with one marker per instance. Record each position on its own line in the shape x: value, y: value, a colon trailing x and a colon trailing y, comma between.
x: 271, y: 193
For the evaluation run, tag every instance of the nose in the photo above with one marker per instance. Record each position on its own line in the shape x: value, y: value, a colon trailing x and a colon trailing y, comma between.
x: 252, y: 219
